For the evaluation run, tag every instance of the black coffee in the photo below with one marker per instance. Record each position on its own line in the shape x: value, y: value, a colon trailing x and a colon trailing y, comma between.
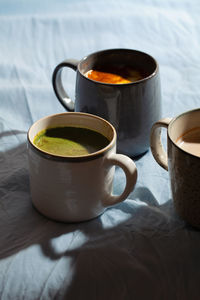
x: 70, y: 141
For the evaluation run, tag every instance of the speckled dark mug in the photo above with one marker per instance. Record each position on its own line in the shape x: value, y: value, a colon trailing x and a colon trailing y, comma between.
x: 132, y: 108
x: 184, y: 167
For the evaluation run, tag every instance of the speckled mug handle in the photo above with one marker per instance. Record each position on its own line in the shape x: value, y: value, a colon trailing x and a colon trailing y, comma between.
x: 157, y: 149
x: 58, y: 86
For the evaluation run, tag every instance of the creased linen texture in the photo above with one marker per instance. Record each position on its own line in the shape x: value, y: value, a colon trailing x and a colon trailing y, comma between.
x: 138, y: 249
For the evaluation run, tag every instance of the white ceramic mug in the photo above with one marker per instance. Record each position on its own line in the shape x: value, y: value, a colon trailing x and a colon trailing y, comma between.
x: 79, y: 188
x: 184, y: 167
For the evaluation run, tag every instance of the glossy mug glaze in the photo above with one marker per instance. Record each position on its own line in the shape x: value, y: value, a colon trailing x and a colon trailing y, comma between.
x: 76, y: 188
x: 131, y: 108
x: 183, y: 166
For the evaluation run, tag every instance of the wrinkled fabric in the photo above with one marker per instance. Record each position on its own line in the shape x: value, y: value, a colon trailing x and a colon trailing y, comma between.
x: 138, y: 249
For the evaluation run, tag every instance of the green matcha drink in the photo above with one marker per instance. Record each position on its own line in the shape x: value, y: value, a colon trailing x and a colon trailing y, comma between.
x: 70, y: 141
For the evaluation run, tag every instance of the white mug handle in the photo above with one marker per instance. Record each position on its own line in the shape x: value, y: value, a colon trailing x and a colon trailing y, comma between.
x: 157, y: 149
x: 130, y: 171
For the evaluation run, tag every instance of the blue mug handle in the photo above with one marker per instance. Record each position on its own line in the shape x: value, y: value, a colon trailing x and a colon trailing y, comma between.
x: 58, y: 86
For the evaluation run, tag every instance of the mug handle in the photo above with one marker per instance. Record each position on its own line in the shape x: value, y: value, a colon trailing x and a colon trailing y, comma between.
x: 58, y: 86
x: 157, y: 149
x: 130, y: 171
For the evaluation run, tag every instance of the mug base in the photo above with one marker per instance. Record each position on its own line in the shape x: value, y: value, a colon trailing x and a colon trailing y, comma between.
x: 135, y: 155
x: 67, y: 220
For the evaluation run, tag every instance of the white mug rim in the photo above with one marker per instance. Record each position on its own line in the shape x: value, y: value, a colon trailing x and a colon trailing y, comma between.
x: 86, y: 157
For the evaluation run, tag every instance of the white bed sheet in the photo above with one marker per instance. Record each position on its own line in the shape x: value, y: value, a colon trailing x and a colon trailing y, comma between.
x: 138, y: 249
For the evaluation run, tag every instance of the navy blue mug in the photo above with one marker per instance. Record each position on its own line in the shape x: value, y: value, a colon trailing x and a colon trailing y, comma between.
x: 132, y: 108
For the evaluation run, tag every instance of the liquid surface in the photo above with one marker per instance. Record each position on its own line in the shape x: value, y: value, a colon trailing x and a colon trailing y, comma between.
x: 114, y: 78
x: 190, y: 141
x: 70, y: 141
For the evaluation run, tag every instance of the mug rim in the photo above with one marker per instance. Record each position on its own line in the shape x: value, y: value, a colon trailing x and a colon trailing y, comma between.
x: 80, y: 158
x: 170, y: 128
x: 118, y: 50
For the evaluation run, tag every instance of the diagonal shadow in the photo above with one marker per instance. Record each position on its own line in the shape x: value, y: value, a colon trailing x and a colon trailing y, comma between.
x: 22, y: 224
x: 91, y: 246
